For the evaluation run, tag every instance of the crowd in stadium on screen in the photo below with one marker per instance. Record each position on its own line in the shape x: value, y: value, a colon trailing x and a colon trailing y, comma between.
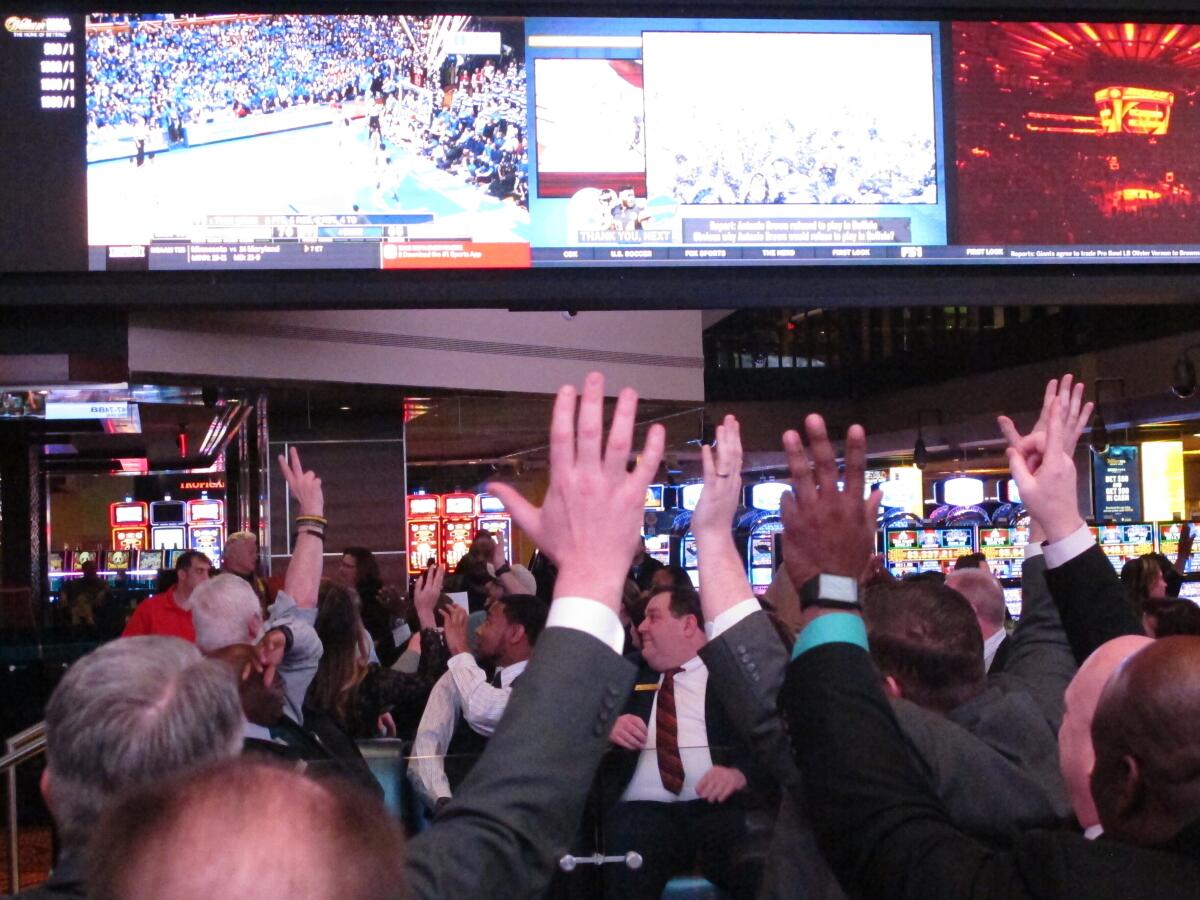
x: 468, y: 118
x: 850, y: 162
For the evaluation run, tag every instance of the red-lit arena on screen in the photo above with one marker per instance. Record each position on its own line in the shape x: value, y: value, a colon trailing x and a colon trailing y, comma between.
x: 1077, y: 133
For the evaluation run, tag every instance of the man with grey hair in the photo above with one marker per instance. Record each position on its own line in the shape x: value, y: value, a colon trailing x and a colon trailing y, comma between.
x: 226, y: 611
x: 240, y: 557
x: 986, y: 597
x: 128, y: 715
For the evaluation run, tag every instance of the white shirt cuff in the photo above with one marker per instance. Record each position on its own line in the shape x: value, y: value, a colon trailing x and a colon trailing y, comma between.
x: 1062, y: 552
x: 588, y: 616
x: 1032, y: 549
x: 462, y: 659
x: 731, y: 617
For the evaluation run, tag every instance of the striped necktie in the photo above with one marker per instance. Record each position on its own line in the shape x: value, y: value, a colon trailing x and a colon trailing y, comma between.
x: 670, y: 764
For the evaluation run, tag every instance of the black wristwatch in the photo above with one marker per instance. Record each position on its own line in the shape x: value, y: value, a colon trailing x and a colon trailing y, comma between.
x: 504, y: 568
x: 831, y: 592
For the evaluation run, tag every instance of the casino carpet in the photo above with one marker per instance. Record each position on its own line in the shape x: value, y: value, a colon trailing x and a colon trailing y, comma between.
x: 35, y: 856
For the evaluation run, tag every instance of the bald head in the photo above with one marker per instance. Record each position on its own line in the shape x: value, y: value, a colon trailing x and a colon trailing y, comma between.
x: 1075, y: 754
x: 247, y: 829
x: 1146, y: 735
x: 985, y: 595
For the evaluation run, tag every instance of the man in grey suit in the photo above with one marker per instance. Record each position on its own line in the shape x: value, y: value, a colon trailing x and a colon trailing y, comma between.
x: 995, y: 782
x: 517, y: 811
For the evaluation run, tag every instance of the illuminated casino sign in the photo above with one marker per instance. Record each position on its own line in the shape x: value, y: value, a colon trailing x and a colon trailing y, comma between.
x: 1004, y: 549
x: 1122, y: 543
x: 1134, y: 110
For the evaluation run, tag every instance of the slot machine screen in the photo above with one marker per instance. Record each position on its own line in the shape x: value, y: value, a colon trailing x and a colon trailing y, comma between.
x: 459, y: 506
x: 457, y: 535
x: 168, y: 512
x: 489, y: 504
x: 169, y: 537
x: 654, y: 498
x: 767, y: 495
x: 205, y: 511
x: 129, y: 515
x: 909, y: 551
x: 689, y: 495
x: 423, y: 544
x: 1168, y: 543
x: 658, y: 546
x: 118, y: 560
x: 55, y: 561
x: 1190, y: 590
x: 1004, y: 549
x: 1124, y: 542
x: 1012, y: 600
x: 422, y: 505
x: 150, y: 560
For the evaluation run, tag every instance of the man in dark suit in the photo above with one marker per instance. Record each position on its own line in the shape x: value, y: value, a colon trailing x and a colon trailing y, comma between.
x: 986, y: 597
x: 678, y: 796
x: 879, y: 825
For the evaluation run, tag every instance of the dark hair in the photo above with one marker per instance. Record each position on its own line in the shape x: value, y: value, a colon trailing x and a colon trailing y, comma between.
x: 1173, y: 616
x: 187, y: 557
x: 366, y: 575
x: 971, y: 561
x: 527, y: 611
x: 679, y: 575
x: 926, y: 636
x: 683, y: 601
x: 341, y: 670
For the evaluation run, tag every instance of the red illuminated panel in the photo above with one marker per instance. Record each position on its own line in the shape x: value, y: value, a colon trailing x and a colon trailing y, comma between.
x: 422, y: 505
x: 457, y: 535
x: 458, y: 505
x: 455, y: 255
x: 423, y: 543
x: 206, y: 512
x: 125, y: 538
x: 129, y: 513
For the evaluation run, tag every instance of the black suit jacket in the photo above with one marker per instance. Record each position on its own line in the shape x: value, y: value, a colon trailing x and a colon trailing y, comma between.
x: 1091, y: 601
x: 886, y: 834
x: 502, y: 834
x: 726, y: 745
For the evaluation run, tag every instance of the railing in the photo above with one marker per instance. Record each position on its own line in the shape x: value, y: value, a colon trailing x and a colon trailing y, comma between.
x: 19, y: 748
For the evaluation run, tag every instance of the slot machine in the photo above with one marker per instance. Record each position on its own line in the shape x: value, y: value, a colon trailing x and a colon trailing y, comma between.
x: 689, y: 495
x: 1168, y: 544
x: 206, y: 527
x: 495, y: 519
x: 911, y: 551
x: 150, y: 561
x: 423, y: 531
x: 1004, y: 548
x: 1124, y: 542
x: 656, y: 539
x: 759, y: 529
x: 458, y: 527
x: 168, y: 525
x: 129, y: 522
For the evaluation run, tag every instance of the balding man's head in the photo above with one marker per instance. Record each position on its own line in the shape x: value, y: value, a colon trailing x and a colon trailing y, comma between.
x: 1146, y: 734
x: 985, y: 595
x: 247, y: 829
x: 1075, y: 755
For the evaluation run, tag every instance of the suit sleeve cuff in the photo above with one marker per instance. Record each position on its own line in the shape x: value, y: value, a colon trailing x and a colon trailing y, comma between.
x: 590, y: 617
x: 832, y: 628
x: 731, y: 617
x: 1059, y: 553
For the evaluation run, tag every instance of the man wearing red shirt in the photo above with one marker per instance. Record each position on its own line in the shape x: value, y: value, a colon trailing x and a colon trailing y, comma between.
x: 170, y: 613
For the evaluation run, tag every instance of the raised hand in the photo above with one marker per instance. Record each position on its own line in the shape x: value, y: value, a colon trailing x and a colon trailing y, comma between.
x: 305, y: 486
x: 826, y: 530
x: 1042, y: 462
x: 722, y: 480
x: 426, y: 591
x: 454, y: 620
x: 590, y: 521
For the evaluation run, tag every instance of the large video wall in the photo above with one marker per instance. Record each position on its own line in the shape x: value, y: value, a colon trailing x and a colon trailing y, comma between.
x: 248, y: 141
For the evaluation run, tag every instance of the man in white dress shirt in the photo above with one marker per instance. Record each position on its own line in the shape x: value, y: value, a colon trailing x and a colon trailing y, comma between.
x: 465, y: 705
x: 679, y: 807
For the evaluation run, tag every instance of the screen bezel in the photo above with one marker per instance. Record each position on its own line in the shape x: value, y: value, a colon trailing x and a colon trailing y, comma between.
x: 631, y: 287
